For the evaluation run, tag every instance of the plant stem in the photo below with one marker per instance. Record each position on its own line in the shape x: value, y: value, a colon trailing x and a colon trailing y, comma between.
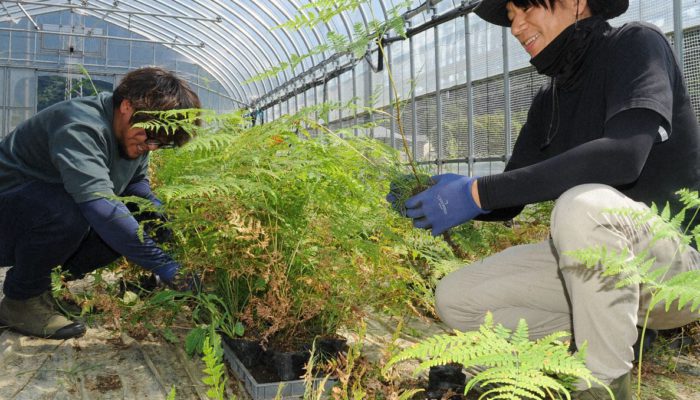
x: 397, y: 106
x: 447, y: 236
x: 641, y: 348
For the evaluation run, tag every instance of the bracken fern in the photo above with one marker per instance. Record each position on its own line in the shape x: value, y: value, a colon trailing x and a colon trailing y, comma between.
x: 514, y: 366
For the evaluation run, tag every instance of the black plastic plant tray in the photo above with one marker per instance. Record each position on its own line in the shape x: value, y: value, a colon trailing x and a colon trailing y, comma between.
x: 267, y: 391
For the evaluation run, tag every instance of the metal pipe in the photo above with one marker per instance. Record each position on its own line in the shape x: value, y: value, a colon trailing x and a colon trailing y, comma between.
x: 88, y: 35
x: 393, y: 97
x: 506, y: 93
x: 28, y: 16
x: 462, y: 9
x: 369, y: 90
x: 438, y: 99
x: 117, y: 11
x: 414, y: 110
x: 354, y: 97
x: 470, y: 96
x: 678, y: 30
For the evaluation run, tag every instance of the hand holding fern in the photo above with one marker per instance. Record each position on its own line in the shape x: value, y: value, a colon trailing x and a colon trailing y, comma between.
x: 448, y: 203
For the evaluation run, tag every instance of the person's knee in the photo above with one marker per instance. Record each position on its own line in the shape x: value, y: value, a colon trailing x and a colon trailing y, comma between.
x: 443, y: 298
x: 579, y: 206
x: 586, y: 207
x: 457, y: 306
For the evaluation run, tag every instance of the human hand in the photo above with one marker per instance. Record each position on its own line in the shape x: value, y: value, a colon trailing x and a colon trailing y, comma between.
x: 446, y: 204
x: 401, y: 188
x: 156, y: 223
x: 158, y: 229
x: 183, y: 282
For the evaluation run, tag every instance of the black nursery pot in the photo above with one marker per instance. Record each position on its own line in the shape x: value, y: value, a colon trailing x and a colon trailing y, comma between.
x: 289, y: 365
x: 446, y: 377
x: 328, y: 348
x: 249, y: 352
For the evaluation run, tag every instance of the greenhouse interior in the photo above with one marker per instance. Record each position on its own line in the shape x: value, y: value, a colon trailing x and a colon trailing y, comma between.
x: 367, y: 199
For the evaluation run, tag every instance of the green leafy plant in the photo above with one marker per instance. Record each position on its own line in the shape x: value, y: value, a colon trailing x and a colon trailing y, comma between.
x: 639, y: 268
x: 289, y: 222
x: 514, y: 366
x: 215, y: 368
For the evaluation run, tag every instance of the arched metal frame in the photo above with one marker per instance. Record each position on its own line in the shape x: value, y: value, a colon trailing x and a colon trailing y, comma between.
x: 237, y: 39
x: 468, y: 74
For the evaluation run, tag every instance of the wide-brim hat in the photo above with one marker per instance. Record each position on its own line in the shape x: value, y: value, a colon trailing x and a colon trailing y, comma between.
x: 494, y: 11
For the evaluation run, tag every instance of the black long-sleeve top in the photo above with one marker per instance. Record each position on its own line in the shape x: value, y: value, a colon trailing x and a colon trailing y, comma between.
x: 627, y: 123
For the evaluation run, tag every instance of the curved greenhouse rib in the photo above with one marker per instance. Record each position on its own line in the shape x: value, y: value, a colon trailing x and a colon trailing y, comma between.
x: 276, y: 38
x: 121, y: 18
x: 223, y: 52
x: 308, y: 45
x: 198, y: 54
x: 238, y: 40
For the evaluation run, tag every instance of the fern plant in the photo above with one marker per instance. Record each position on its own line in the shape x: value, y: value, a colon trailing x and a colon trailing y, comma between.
x: 513, y: 366
x: 215, y: 369
x: 639, y: 268
x: 290, y: 224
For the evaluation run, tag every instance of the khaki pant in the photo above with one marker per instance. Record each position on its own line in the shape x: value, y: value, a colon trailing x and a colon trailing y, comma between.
x: 554, y: 292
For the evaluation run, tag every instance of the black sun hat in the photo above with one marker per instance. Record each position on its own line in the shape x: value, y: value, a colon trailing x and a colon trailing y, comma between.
x: 494, y: 11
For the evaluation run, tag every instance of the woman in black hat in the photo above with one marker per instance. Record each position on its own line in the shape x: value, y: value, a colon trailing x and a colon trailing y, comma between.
x: 614, y: 128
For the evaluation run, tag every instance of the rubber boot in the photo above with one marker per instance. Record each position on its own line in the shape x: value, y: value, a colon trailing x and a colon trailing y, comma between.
x: 38, y: 317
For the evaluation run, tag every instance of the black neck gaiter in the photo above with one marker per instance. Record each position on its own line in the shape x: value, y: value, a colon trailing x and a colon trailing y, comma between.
x: 562, y: 59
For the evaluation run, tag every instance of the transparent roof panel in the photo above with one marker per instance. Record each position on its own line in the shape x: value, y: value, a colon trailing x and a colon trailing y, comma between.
x: 233, y: 41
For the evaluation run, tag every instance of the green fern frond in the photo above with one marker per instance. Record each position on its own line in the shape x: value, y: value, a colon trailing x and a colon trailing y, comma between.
x: 622, y: 264
x: 319, y: 11
x: 194, y: 340
x: 683, y: 287
x: 515, y: 366
x: 213, y: 142
x: 214, y: 370
x: 521, y: 336
x: 662, y: 224
x: 689, y: 198
x: 396, y: 21
x: 172, y: 120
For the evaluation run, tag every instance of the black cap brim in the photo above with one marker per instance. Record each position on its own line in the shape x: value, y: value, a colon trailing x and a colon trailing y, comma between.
x: 494, y: 11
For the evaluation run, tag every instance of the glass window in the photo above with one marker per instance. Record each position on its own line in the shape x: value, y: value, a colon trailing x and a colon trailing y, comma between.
x: 22, y: 87
x: 22, y: 43
x: 141, y: 54
x: 118, y: 53
x: 50, y: 89
x: 166, y: 57
x: 4, y: 45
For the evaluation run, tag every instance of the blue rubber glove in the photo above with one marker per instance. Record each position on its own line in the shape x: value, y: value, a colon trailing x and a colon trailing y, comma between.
x: 401, y: 188
x: 118, y: 228
x: 447, y: 203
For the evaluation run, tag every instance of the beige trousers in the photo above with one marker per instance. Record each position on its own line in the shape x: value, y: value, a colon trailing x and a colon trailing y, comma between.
x: 554, y: 292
